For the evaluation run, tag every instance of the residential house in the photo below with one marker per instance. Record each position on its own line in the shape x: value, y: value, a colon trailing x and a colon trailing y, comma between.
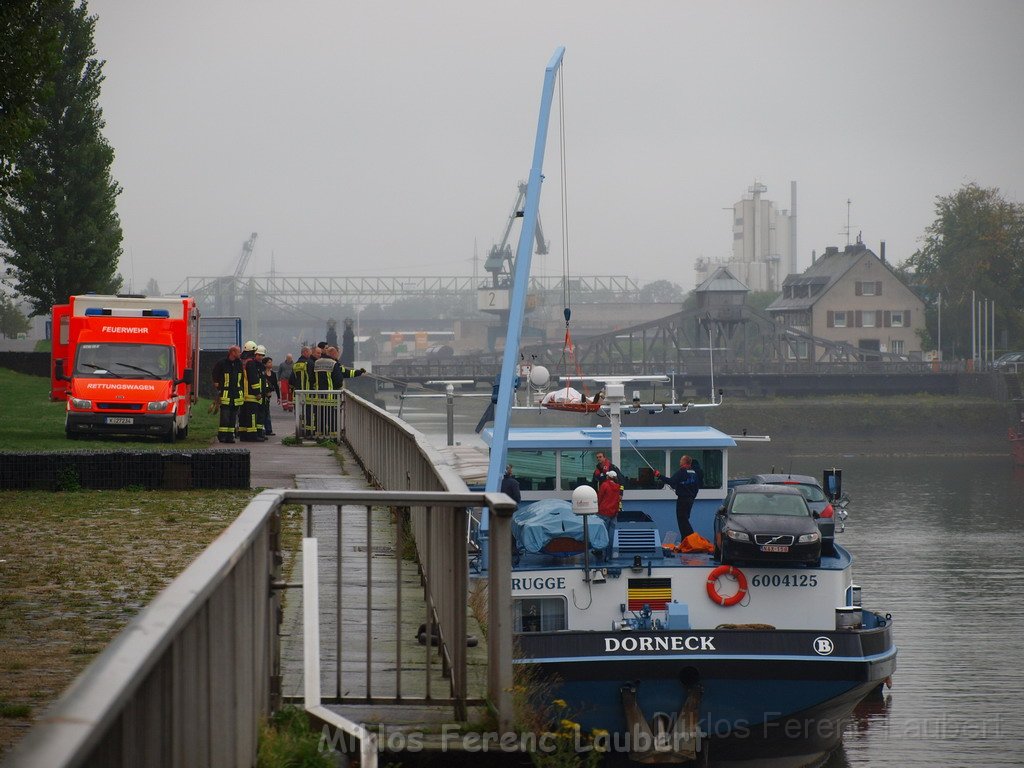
x: 852, y: 296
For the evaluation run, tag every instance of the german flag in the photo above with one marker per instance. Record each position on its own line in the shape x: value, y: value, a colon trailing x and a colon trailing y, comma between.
x: 657, y: 593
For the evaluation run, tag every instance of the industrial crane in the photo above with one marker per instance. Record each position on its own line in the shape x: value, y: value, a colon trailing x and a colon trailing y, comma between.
x: 501, y: 254
x: 243, y: 259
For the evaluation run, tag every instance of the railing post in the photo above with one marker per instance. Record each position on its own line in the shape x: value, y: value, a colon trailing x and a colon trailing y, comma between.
x: 499, y: 614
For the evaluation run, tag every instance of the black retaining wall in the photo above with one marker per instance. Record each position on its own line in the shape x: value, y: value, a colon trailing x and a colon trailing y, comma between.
x: 112, y: 470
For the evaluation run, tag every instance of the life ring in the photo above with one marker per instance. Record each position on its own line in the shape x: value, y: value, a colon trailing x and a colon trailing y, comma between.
x: 726, y: 570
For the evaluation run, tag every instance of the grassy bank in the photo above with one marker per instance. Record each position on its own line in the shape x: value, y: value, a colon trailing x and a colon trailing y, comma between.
x: 76, y: 567
x: 30, y: 422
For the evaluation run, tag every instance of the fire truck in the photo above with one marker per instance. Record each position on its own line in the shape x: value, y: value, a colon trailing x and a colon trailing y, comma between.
x: 125, y: 364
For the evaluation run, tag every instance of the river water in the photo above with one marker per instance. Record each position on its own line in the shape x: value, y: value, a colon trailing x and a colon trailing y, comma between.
x: 938, y: 542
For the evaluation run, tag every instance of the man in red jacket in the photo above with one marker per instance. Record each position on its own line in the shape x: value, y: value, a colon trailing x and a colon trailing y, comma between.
x: 609, y: 502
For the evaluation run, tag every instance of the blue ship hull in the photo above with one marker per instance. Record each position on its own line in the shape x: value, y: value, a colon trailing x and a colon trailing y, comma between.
x: 761, y: 692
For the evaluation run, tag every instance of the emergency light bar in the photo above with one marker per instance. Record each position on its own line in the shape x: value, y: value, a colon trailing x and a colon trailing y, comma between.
x: 101, y: 311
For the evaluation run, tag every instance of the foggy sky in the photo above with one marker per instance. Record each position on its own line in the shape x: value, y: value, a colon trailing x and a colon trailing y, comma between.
x: 385, y: 138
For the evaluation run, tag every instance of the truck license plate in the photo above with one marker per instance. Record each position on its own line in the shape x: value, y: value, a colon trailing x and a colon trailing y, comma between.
x: 119, y: 420
x: 774, y: 548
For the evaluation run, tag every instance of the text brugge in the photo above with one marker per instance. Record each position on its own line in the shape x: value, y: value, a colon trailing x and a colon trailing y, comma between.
x: 632, y: 644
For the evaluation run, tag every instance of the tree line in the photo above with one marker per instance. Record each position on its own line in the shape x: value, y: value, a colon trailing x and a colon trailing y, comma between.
x: 59, y: 230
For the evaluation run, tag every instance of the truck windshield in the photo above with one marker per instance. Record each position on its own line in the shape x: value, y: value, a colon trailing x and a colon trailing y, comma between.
x: 121, y: 361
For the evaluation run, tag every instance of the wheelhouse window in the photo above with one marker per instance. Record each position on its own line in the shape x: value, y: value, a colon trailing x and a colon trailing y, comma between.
x: 578, y: 468
x: 534, y: 469
x: 637, y: 468
x: 710, y: 463
x: 538, y: 614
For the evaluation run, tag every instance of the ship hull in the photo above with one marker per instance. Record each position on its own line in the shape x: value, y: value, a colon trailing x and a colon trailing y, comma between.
x: 784, y: 694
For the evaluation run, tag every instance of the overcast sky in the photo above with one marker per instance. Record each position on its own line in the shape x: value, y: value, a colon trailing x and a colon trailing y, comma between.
x: 386, y: 138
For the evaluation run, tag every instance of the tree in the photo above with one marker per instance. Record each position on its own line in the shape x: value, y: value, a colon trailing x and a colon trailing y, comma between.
x: 152, y: 287
x: 661, y: 291
x: 28, y: 58
x: 58, y: 220
x: 976, y: 243
x: 12, y: 322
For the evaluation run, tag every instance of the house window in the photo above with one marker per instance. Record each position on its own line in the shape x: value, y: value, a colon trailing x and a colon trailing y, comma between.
x: 868, y: 320
x: 840, y: 319
x: 897, y: 345
x: 798, y: 350
x: 868, y: 288
x: 897, y: 320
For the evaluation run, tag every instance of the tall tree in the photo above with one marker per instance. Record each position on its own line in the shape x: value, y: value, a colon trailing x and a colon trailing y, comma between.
x: 58, y: 220
x: 28, y: 58
x: 12, y: 322
x: 975, y: 244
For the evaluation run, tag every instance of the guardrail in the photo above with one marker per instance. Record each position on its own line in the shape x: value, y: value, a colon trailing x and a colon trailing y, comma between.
x: 397, y: 457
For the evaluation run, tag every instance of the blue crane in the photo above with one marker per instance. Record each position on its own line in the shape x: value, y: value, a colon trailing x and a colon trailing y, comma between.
x: 520, y: 283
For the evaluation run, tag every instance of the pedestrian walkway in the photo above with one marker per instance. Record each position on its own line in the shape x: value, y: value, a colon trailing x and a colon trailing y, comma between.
x: 314, y: 467
x: 274, y: 465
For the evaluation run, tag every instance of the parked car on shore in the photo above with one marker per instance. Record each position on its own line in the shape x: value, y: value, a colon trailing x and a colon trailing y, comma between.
x: 767, y: 524
x: 1010, y: 361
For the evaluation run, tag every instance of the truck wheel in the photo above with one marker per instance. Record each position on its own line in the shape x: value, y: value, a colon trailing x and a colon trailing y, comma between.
x: 169, y: 437
x: 183, y: 433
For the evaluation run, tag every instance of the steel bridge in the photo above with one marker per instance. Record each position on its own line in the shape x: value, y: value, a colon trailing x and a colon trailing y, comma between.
x: 228, y: 295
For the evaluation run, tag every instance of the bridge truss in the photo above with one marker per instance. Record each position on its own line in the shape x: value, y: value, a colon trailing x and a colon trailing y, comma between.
x: 226, y: 294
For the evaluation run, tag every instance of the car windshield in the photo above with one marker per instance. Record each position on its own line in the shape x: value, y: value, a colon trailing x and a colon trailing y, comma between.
x: 768, y: 504
x: 810, y: 492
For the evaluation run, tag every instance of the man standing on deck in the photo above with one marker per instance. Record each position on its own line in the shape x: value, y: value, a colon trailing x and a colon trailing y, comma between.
x: 686, y: 483
x: 604, y: 465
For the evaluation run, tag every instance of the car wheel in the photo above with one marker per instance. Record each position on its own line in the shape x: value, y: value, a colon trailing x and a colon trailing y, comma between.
x: 171, y: 434
x: 183, y: 433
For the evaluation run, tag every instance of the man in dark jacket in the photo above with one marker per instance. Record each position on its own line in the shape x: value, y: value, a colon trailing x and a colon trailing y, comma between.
x: 227, y: 385
x: 510, y: 486
x: 604, y: 466
x: 686, y: 483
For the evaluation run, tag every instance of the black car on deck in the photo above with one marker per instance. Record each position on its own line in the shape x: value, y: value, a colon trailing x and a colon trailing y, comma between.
x: 767, y: 524
x: 816, y: 500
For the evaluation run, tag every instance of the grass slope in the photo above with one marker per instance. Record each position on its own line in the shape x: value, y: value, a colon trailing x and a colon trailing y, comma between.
x: 30, y: 422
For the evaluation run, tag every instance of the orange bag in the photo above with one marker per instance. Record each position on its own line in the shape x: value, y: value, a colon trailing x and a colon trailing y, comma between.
x: 696, y: 543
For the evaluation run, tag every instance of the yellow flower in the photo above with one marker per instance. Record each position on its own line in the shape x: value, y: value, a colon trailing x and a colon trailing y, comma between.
x: 560, y: 703
x: 568, y: 725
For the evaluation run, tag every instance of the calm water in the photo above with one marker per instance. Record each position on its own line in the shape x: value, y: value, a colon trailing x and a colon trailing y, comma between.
x: 939, y: 544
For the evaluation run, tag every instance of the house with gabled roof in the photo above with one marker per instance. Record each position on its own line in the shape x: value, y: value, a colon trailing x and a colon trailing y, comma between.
x: 852, y: 296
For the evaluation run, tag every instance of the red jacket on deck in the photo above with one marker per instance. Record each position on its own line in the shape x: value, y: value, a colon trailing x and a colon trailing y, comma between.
x: 609, y: 494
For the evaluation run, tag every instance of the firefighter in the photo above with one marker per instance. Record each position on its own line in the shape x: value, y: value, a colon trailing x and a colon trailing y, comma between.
x: 227, y: 382
x: 252, y: 394
x: 299, y: 380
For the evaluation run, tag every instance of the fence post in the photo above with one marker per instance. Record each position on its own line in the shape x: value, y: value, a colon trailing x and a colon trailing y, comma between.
x: 499, y: 611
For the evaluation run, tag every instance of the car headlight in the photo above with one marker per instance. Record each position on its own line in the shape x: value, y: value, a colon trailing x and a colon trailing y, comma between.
x: 807, y: 538
x: 77, y: 402
x: 158, y: 405
x: 737, y: 535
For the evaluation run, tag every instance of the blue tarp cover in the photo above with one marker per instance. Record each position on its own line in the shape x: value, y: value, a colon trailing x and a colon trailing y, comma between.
x: 534, y: 526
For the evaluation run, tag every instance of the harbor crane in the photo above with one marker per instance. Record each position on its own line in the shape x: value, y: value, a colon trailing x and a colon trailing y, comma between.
x: 243, y: 259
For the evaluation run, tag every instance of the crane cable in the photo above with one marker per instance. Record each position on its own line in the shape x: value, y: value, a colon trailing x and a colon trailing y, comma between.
x: 567, y: 345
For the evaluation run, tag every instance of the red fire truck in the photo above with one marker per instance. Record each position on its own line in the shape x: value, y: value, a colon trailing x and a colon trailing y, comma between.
x: 126, y: 364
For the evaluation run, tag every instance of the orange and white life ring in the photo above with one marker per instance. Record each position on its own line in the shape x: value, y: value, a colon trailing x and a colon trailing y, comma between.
x: 727, y: 570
